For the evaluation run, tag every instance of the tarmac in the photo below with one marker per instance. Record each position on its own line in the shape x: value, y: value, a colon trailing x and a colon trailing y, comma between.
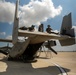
x: 47, y: 64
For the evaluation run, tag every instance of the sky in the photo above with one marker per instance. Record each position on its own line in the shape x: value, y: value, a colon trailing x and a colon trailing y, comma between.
x: 35, y: 12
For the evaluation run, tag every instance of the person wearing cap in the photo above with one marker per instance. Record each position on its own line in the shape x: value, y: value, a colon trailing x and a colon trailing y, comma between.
x: 32, y: 28
x: 48, y: 29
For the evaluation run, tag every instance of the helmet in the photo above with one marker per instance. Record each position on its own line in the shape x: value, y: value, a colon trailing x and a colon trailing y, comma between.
x: 48, y: 25
x: 32, y: 26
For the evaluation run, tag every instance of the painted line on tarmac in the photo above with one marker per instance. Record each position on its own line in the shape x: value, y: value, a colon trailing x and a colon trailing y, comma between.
x: 63, y: 72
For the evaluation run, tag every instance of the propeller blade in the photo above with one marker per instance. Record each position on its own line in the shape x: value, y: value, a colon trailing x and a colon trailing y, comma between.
x: 6, y: 53
x: 52, y: 50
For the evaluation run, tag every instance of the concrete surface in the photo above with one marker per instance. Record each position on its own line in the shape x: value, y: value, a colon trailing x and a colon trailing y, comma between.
x: 43, y: 66
x: 67, y: 60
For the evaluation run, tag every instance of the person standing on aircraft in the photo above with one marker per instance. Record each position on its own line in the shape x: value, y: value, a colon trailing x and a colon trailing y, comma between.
x: 48, y: 29
x: 40, y: 29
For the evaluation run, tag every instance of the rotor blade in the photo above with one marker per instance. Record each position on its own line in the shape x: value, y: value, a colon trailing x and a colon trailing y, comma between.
x: 52, y: 50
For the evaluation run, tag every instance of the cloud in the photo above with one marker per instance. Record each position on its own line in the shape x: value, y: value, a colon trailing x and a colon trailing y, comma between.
x: 56, y: 31
x: 34, y: 12
x: 9, y: 37
x: 74, y: 28
x: 6, y: 11
x: 38, y: 11
x: 2, y: 33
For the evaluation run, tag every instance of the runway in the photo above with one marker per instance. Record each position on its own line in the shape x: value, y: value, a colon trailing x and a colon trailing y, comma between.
x: 61, y: 64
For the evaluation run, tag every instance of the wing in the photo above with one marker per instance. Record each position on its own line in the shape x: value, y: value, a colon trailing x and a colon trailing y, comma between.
x: 38, y: 37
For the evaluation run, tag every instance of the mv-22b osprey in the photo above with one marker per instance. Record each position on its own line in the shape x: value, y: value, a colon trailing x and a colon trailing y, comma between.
x: 26, y: 50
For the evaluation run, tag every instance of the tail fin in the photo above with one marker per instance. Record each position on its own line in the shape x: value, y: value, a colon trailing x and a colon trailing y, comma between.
x: 66, y: 29
x: 16, y: 23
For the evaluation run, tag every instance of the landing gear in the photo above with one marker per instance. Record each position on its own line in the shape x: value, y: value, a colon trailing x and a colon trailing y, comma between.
x: 28, y: 55
x: 24, y: 59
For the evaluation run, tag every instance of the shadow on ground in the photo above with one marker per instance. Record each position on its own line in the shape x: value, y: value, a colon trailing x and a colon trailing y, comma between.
x: 20, y: 68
